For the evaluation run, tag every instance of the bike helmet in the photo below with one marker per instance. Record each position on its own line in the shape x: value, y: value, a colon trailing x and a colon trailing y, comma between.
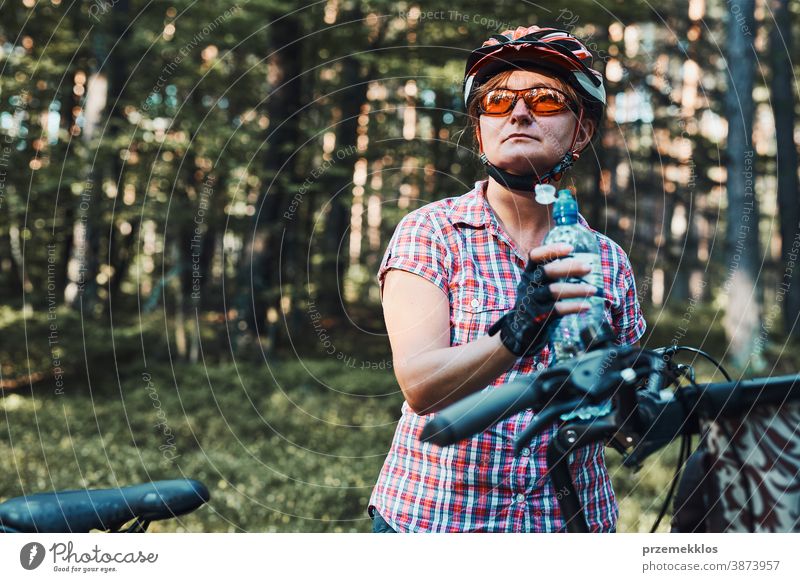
x: 554, y: 51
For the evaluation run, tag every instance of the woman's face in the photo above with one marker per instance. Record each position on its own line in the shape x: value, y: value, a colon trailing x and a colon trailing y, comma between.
x: 545, y: 139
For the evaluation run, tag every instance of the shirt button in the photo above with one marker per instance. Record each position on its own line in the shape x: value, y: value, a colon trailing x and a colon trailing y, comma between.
x: 520, y: 498
x: 540, y: 366
x: 475, y: 303
x: 526, y: 452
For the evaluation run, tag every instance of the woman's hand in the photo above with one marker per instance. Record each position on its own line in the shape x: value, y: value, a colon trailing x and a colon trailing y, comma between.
x: 540, y: 298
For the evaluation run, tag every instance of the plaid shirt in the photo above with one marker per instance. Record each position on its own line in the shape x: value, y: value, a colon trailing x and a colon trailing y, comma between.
x: 479, y: 485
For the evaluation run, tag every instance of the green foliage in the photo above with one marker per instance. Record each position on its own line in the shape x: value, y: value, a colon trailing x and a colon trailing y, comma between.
x: 248, y: 95
x: 288, y: 446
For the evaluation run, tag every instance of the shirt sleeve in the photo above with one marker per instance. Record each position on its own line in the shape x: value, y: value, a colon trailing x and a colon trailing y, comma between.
x: 628, y: 321
x: 417, y: 247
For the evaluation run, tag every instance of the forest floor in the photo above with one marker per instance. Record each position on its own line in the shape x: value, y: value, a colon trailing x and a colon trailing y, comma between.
x: 284, y: 443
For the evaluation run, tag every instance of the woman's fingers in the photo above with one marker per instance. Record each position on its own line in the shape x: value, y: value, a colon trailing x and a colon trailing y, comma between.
x: 550, y: 252
x: 572, y: 290
x: 567, y: 307
x: 566, y: 268
x: 555, y: 265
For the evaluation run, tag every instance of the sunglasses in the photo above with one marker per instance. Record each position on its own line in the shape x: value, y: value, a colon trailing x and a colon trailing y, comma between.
x: 540, y: 100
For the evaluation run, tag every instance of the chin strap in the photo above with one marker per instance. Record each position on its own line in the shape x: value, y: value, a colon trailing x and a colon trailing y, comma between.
x: 528, y: 182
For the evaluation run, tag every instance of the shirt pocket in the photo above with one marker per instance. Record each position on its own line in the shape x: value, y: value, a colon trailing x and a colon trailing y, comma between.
x: 475, y: 310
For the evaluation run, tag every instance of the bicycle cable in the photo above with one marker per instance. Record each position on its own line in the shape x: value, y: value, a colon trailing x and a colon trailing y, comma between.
x: 675, y: 349
x: 683, y: 455
x: 686, y: 439
x: 726, y: 434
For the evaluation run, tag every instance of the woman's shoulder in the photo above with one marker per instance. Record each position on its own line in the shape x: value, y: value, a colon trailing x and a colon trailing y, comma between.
x: 436, y: 211
x: 441, y: 214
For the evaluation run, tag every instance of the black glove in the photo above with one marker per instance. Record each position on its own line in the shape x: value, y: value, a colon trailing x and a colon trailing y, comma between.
x: 524, y: 329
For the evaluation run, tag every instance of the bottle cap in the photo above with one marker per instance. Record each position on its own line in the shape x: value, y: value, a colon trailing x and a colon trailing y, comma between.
x: 545, y: 193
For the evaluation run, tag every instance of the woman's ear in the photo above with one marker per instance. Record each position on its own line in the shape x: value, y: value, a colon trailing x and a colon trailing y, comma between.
x: 585, y: 134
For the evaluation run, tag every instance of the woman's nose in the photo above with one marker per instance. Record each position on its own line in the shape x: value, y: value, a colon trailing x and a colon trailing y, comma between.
x: 520, y: 112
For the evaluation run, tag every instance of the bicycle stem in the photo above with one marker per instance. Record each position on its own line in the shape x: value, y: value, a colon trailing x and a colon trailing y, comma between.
x: 570, y: 437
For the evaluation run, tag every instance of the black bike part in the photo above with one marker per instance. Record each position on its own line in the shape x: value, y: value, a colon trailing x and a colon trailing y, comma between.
x: 683, y: 456
x: 541, y: 421
x: 138, y: 526
x: 595, y: 375
x: 735, y: 399
x: 665, y: 420
x: 730, y: 398
x: 81, y: 511
x: 569, y: 438
x: 670, y: 351
x: 477, y: 412
x: 690, y: 507
x: 669, y: 370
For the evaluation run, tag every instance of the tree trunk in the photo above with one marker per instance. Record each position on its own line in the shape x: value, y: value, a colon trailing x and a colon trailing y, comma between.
x: 102, y: 95
x: 783, y: 99
x: 19, y: 279
x: 742, y: 319
x: 67, y: 245
x: 180, y: 300
x: 121, y: 261
x: 338, y: 182
x: 257, y: 278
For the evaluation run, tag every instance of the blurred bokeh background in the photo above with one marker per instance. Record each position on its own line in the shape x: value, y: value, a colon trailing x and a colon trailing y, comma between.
x: 195, y: 198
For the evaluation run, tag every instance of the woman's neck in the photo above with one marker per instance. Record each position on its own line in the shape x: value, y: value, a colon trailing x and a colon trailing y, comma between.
x: 525, y: 220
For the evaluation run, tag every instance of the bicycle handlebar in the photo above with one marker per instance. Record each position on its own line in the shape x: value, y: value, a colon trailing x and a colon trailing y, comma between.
x: 638, y: 423
x: 477, y: 412
x: 552, y: 392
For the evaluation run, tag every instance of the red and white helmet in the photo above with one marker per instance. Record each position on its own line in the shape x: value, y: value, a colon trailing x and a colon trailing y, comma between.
x: 549, y: 49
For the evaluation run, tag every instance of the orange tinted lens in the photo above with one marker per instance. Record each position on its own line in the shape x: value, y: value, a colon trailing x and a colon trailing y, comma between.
x: 546, y: 101
x: 497, y: 101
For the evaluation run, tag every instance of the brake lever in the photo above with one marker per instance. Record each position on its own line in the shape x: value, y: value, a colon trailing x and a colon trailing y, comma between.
x: 541, y: 421
x: 581, y: 377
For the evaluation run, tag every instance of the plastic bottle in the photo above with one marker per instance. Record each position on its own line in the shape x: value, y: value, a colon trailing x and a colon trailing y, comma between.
x: 565, y: 336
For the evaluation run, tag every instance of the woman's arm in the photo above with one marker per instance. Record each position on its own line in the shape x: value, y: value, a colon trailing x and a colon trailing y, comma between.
x: 431, y: 373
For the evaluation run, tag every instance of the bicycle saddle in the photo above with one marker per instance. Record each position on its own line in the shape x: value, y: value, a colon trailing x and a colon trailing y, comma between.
x: 83, y: 510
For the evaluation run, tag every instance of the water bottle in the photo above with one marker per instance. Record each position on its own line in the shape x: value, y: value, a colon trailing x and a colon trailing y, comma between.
x: 565, y: 337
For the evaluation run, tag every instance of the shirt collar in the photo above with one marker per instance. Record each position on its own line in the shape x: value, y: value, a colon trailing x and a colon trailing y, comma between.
x: 473, y: 209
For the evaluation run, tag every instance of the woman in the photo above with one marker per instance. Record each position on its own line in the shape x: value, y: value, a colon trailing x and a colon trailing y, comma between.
x: 452, y: 283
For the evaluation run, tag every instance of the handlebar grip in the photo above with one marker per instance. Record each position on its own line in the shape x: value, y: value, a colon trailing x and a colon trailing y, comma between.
x: 477, y: 412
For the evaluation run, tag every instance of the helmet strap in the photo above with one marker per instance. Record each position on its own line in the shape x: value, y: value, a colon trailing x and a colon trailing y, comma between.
x: 528, y: 182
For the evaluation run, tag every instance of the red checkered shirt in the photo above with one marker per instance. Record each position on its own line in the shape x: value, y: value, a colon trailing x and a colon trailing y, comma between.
x: 479, y: 485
